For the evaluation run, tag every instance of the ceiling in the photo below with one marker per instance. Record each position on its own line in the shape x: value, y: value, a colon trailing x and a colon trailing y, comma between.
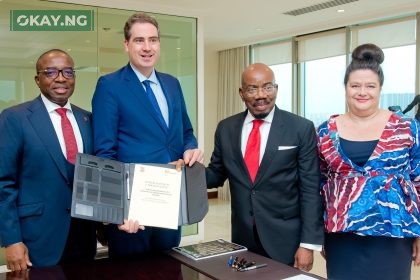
x: 224, y: 24
x: 232, y: 23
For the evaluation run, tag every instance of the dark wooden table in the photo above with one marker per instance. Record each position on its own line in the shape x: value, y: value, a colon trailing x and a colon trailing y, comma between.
x: 217, y: 268
x: 171, y: 266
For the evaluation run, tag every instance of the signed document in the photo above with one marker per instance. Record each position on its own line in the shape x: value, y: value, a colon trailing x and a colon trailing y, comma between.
x: 110, y: 191
x: 155, y: 196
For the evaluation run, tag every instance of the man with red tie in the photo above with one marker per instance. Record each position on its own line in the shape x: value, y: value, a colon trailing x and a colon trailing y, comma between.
x: 38, y: 145
x: 269, y: 157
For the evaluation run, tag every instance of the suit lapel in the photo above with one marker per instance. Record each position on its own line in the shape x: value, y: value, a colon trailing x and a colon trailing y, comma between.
x: 83, y: 122
x: 41, y: 122
x: 276, y: 132
x: 138, y: 90
x: 236, y: 135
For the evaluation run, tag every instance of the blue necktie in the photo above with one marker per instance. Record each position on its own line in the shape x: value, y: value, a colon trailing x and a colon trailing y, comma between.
x: 154, y: 102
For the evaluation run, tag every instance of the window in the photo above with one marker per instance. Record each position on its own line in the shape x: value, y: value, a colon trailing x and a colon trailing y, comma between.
x: 324, y: 93
x: 322, y: 64
x: 397, y: 39
x: 278, y: 56
x: 95, y: 53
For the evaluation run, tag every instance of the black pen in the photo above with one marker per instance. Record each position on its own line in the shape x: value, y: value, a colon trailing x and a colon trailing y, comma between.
x: 253, y: 267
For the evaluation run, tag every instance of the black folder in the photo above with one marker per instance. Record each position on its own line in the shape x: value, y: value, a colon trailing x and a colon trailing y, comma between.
x: 102, y: 188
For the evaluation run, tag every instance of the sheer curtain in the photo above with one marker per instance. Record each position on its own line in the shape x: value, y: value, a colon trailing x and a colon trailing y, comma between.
x: 232, y: 62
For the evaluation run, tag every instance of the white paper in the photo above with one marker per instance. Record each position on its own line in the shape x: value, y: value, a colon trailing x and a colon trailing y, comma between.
x: 300, y: 277
x: 155, y: 196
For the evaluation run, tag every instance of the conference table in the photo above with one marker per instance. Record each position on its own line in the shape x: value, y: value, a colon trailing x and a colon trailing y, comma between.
x: 167, y: 266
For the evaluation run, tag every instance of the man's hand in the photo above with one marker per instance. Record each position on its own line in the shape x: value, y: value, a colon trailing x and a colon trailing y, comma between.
x: 193, y: 155
x: 130, y: 226
x: 17, y: 257
x: 178, y: 164
x: 416, y: 251
x: 304, y: 259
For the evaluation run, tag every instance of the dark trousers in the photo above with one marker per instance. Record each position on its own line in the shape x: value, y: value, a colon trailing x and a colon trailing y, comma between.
x: 81, y: 242
x: 150, y: 240
x: 350, y: 256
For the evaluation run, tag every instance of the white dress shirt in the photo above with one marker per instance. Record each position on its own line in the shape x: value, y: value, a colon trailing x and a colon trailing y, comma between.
x: 56, y: 121
x: 157, y: 90
x: 264, y: 131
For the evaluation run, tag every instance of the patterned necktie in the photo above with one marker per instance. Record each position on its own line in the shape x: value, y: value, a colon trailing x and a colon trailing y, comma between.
x: 252, y: 151
x: 155, y: 105
x: 68, y: 134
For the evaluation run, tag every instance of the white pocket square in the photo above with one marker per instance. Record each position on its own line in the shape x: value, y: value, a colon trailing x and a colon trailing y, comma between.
x: 280, y: 148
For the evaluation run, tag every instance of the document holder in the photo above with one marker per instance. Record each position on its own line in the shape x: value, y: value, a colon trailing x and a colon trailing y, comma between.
x: 102, y: 187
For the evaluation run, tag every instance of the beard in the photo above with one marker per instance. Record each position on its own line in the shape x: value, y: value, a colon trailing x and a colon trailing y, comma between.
x: 261, y: 116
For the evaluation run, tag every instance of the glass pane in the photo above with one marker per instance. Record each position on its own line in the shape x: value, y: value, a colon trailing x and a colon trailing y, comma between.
x: 323, y: 88
x: 399, y: 69
x: 21, y: 49
x: 283, y: 76
x: 278, y: 56
x: 95, y: 53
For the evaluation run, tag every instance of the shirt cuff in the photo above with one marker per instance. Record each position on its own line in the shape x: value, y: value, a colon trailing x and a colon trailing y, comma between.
x: 314, y: 247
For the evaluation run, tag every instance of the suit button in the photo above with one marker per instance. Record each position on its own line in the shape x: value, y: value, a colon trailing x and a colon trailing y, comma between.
x: 253, y: 192
x: 68, y: 210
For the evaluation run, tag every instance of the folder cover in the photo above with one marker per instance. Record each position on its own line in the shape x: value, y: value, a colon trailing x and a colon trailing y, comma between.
x: 102, y: 188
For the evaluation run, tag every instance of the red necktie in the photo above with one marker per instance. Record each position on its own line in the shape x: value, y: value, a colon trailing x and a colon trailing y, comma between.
x: 252, y: 151
x: 68, y: 134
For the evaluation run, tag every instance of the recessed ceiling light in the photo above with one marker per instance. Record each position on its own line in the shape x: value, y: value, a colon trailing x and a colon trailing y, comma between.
x: 87, y: 41
x: 340, y: 11
x: 178, y: 48
x: 258, y: 29
x: 69, y: 49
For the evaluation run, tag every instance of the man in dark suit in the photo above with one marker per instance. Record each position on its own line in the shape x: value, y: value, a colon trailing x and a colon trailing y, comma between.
x: 36, y: 172
x: 275, y: 201
x: 139, y: 116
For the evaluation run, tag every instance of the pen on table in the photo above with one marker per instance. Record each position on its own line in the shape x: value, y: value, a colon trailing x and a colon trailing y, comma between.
x: 253, y: 267
x: 230, y: 261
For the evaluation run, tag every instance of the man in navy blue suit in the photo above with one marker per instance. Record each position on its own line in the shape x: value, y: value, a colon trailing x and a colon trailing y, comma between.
x: 139, y: 116
x: 37, y: 169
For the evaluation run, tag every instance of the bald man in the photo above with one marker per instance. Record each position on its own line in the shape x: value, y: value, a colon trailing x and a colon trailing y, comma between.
x: 269, y: 157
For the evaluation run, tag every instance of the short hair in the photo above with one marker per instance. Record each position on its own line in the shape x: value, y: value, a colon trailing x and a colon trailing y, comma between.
x: 48, y: 52
x: 366, y: 57
x: 139, y: 18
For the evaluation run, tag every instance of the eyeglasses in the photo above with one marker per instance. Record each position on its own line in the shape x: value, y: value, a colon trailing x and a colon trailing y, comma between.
x: 52, y: 73
x: 267, y: 89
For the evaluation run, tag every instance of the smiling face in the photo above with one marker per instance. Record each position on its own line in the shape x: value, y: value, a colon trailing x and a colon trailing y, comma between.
x: 363, y: 92
x: 60, y: 89
x: 143, y: 47
x: 258, y: 90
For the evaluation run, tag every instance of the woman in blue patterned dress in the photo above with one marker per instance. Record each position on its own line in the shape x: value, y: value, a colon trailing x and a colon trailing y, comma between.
x: 370, y: 165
